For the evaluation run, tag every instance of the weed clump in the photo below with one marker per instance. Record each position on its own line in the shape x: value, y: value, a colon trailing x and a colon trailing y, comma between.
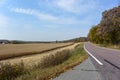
x: 9, y: 71
x: 54, y: 59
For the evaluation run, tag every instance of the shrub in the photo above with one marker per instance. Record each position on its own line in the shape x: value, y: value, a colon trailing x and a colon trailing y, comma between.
x: 9, y: 71
x: 54, y: 59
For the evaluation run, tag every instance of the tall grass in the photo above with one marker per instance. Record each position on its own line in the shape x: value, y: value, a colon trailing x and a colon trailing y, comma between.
x: 53, y: 59
x: 110, y: 46
x: 49, y: 67
x: 9, y: 71
x: 76, y: 57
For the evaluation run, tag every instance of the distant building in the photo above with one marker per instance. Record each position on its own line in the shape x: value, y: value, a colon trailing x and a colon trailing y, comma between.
x: 4, y: 41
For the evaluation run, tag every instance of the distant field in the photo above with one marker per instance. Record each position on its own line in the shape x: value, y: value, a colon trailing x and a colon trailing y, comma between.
x: 17, y: 50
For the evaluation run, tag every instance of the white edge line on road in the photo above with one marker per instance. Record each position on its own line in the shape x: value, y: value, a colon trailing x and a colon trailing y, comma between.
x: 93, y: 56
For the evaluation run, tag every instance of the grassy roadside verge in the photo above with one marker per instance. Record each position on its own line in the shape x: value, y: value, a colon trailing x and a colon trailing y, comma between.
x: 109, y: 46
x: 54, y: 65
x: 77, y: 56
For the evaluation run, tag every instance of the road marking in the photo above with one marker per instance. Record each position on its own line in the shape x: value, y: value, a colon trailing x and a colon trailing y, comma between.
x: 112, y: 64
x: 93, y: 56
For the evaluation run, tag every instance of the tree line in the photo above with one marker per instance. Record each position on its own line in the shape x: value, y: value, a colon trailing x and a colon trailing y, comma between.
x: 108, y: 30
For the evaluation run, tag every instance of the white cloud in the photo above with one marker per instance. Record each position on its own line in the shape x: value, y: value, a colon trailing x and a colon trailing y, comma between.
x: 63, y: 4
x: 68, y: 5
x: 21, y: 10
x: 46, y: 17
x: 39, y: 15
x: 76, y: 6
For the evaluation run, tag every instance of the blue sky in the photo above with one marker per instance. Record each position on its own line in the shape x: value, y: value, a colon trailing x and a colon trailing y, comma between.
x: 49, y: 20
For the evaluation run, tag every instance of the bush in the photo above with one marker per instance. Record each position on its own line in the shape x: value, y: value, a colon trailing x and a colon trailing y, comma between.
x: 9, y: 71
x: 54, y: 59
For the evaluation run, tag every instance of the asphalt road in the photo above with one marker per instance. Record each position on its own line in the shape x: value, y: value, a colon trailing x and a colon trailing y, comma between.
x: 84, y: 71
x: 107, y: 61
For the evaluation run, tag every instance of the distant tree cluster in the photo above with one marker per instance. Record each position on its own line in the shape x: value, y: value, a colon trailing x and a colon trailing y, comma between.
x: 80, y: 39
x: 108, y: 30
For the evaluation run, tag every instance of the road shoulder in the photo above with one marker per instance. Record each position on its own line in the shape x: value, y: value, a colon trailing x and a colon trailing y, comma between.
x: 84, y: 71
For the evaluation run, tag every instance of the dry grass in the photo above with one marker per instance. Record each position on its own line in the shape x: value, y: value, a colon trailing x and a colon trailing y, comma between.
x: 49, y: 67
x: 10, y: 71
x: 76, y: 57
x: 109, y: 46
x: 34, y: 59
x: 17, y: 50
x: 53, y: 59
x: 113, y: 46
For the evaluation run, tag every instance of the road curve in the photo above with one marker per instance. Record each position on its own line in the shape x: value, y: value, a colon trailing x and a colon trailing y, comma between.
x: 109, y: 58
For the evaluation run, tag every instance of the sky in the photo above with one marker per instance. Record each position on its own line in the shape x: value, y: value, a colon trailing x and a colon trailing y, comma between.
x: 50, y: 20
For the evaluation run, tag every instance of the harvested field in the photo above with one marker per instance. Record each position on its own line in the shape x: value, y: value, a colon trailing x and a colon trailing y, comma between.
x: 43, y: 66
x: 34, y: 59
x: 16, y: 50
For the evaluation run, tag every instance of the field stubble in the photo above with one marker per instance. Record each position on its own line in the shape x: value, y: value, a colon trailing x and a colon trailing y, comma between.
x: 17, y: 50
x: 51, y: 64
x: 34, y: 59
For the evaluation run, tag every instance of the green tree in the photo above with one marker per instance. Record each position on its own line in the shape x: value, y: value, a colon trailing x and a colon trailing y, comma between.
x: 108, y: 30
x: 93, y: 36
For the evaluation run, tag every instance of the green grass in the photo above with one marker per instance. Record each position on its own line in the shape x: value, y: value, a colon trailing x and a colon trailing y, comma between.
x: 50, y: 67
